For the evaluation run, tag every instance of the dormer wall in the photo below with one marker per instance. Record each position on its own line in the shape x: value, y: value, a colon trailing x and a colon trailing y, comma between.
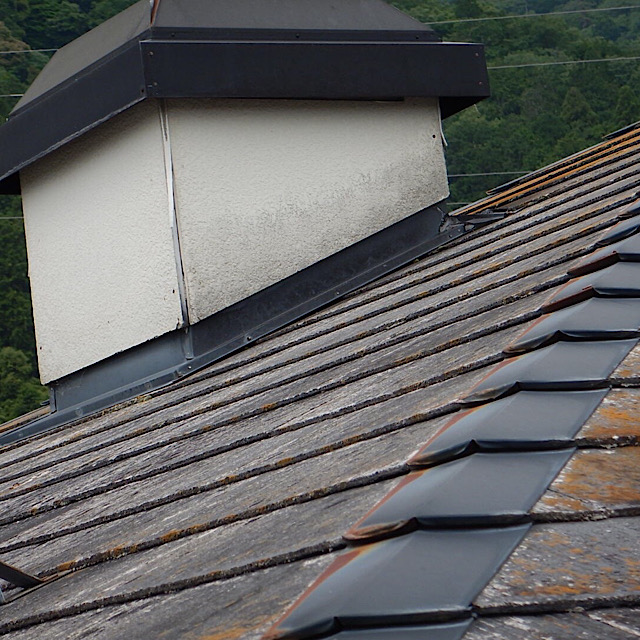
x: 181, y: 208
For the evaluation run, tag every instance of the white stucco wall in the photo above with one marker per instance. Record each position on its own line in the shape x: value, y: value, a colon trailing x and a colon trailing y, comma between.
x: 262, y: 190
x: 267, y: 188
x: 101, y: 256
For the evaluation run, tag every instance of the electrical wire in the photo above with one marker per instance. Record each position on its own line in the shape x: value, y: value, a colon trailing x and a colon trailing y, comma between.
x: 14, y: 51
x: 561, y: 62
x: 489, y: 173
x: 534, y: 15
x: 455, y: 21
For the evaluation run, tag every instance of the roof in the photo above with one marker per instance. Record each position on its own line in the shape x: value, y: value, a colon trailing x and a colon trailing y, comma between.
x: 289, y: 49
x: 363, y: 439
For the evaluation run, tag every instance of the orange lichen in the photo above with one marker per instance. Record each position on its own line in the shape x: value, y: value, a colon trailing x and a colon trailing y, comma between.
x: 172, y: 535
x: 229, y: 634
x: 66, y: 566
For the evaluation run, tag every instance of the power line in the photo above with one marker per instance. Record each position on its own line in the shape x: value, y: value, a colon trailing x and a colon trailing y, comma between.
x: 534, y: 15
x: 494, y: 68
x: 489, y: 173
x: 552, y: 64
x: 11, y: 218
x: 456, y: 21
x: 14, y: 51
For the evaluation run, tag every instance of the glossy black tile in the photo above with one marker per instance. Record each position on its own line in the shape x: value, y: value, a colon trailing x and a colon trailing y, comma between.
x: 527, y: 420
x: 484, y: 489
x: 563, y: 366
x: 594, y: 319
x: 419, y: 577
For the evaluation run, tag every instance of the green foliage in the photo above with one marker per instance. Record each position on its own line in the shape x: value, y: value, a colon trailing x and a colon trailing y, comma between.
x: 20, y: 392
x: 535, y: 116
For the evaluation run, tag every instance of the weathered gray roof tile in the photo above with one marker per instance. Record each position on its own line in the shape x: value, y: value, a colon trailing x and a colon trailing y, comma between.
x: 207, y: 507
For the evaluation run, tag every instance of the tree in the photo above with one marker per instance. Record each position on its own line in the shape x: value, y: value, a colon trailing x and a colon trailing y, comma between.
x: 20, y: 392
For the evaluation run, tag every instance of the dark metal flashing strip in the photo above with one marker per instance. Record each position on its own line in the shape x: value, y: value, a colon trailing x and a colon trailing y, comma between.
x: 179, y: 353
x: 69, y: 112
x: 448, y: 631
x: 17, y: 577
x: 451, y: 495
x: 421, y: 577
x: 624, y: 251
x: 455, y: 73
x: 620, y: 280
x: 524, y: 421
x: 628, y: 226
x: 593, y: 319
x: 230, y: 34
x: 563, y: 366
x: 351, y: 70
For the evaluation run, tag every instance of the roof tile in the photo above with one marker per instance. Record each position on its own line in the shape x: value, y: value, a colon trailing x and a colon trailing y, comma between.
x: 451, y: 495
x: 527, y: 420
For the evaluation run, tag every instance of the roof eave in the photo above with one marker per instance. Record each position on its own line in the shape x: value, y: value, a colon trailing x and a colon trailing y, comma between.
x: 150, y: 68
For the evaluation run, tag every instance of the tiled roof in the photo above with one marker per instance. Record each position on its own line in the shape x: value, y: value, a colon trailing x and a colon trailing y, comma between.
x: 207, y: 508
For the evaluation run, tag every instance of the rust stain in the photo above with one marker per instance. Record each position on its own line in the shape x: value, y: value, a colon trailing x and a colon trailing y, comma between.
x: 66, y: 566
x: 229, y: 634
x: 557, y: 502
x: 616, y: 417
x: 630, y: 366
x: 172, y: 535
x: 603, y: 478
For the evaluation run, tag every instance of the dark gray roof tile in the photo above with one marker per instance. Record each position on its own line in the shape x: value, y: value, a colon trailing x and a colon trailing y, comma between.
x: 527, y: 420
x: 621, y: 280
x: 562, y: 366
x: 627, y: 250
x: 594, y: 319
x: 419, y: 576
x: 451, y: 631
x: 484, y: 489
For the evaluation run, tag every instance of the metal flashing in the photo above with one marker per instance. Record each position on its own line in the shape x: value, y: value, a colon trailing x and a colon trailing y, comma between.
x: 362, y: 49
x: 630, y: 210
x: 481, y: 490
x: 627, y: 250
x: 424, y: 576
x: 563, y: 366
x: 524, y: 421
x: 359, y: 71
x: 450, y: 631
x: 18, y: 577
x: 620, y: 280
x: 594, y: 319
x: 184, y: 351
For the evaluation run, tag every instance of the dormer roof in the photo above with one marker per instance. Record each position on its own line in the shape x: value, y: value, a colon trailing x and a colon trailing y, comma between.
x: 288, y: 49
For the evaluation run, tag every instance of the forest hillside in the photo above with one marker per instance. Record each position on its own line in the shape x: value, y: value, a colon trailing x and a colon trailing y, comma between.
x: 563, y: 74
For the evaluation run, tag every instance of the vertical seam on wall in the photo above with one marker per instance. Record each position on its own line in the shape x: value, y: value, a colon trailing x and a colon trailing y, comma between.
x: 173, y: 214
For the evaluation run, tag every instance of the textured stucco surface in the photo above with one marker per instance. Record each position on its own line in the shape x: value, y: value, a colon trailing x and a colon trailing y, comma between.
x: 267, y: 188
x: 101, y: 257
